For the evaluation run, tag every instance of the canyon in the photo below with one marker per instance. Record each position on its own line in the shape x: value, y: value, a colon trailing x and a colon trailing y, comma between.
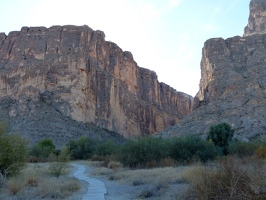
x: 58, y: 81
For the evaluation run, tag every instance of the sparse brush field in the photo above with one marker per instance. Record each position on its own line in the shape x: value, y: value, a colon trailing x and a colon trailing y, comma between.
x: 191, y: 167
x: 36, y: 182
x: 228, y: 178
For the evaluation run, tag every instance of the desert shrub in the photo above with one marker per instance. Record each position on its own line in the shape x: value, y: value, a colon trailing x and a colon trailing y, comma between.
x: 105, y: 148
x: 143, y: 150
x: 33, y: 180
x: 13, y: 152
x: 261, y: 152
x: 14, y: 185
x: 114, y: 165
x: 167, y: 162
x: 59, y: 162
x: 192, y: 148
x: 47, y: 143
x: 221, y: 134
x: 42, y: 150
x: 60, y: 188
x: 231, y: 178
x: 83, y: 148
x: 242, y: 149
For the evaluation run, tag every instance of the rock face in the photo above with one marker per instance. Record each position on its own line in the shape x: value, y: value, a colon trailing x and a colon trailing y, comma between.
x: 233, y: 83
x: 257, y: 18
x: 75, y: 74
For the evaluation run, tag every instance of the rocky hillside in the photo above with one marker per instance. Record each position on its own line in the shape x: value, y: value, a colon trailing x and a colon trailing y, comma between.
x: 233, y: 82
x: 53, y: 81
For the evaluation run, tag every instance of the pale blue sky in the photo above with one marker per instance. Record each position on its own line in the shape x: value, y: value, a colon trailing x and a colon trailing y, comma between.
x: 165, y: 36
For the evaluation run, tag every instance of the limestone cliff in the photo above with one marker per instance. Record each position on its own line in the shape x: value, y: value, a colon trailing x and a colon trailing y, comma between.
x: 74, y: 72
x: 233, y: 83
x: 257, y: 18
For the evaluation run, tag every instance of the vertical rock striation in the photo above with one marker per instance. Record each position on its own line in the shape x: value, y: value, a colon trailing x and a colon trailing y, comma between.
x: 75, y: 72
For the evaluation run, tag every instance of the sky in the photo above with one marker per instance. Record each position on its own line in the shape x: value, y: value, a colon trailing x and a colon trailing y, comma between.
x: 165, y: 36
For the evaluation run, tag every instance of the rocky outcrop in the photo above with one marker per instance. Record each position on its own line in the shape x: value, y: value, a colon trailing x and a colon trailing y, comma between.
x: 232, y: 85
x: 257, y: 18
x: 74, y: 72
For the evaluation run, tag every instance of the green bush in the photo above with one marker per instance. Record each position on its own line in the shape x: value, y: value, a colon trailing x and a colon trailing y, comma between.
x: 244, y: 149
x: 192, y: 148
x: 105, y: 148
x: 43, y: 149
x: 59, y: 162
x: 13, y: 152
x: 221, y: 134
x: 142, y: 151
x: 83, y: 148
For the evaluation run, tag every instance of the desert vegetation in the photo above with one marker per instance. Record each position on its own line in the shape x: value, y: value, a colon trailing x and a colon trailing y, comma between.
x: 13, y: 152
x: 218, y: 167
x: 35, y: 181
x: 22, y: 180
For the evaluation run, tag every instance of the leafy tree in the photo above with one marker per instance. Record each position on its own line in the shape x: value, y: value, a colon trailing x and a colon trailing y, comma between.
x: 221, y: 134
x: 13, y: 152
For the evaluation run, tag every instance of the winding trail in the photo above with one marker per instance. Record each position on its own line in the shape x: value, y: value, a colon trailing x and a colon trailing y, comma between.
x: 96, y: 189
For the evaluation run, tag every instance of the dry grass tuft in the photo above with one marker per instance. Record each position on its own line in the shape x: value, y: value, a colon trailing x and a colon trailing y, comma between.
x: 36, y: 182
x: 100, y: 171
x: 57, y: 187
x: 166, y: 162
x: 231, y: 178
x: 31, y: 176
x: 114, y: 165
x: 159, y: 176
x: 261, y: 152
x: 15, y: 185
x: 33, y: 181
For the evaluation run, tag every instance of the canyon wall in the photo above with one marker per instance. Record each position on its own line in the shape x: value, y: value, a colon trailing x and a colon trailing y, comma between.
x: 233, y: 83
x: 74, y: 72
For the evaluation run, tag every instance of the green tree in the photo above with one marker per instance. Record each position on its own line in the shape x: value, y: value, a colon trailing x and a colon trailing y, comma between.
x: 221, y: 134
x: 13, y: 152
